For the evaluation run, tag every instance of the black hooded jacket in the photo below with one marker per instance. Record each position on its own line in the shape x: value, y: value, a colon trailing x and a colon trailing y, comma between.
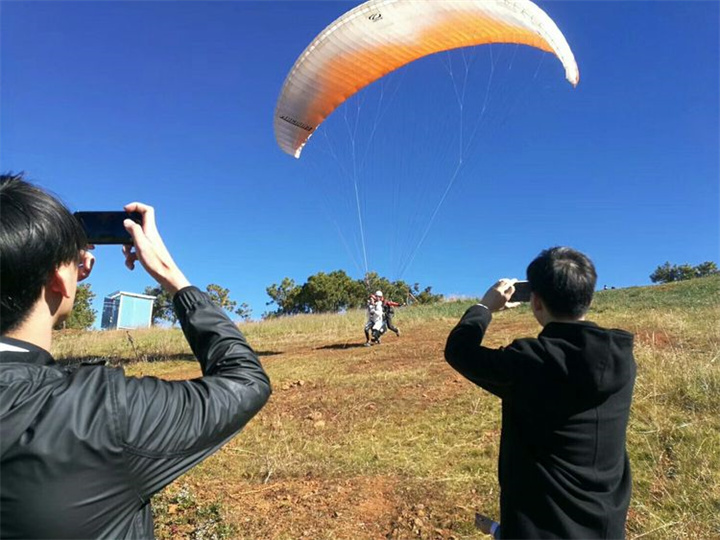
x: 82, y: 451
x: 563, y: 466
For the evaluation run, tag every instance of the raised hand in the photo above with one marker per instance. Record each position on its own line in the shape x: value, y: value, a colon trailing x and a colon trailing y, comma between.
x: 150, y: 250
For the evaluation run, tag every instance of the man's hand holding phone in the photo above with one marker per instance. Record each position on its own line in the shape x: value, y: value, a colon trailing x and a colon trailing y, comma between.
x: 150, y: 250
x: 498, y: 296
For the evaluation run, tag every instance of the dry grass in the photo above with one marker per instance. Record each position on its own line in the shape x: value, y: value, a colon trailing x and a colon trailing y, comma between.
x: 389, y: 442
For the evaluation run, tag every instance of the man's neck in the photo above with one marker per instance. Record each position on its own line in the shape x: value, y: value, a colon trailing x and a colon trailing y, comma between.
x: 36, y: 331
x: 562, y: 320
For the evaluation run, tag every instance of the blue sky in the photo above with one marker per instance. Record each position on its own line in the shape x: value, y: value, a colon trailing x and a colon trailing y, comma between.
x: 171, y: 103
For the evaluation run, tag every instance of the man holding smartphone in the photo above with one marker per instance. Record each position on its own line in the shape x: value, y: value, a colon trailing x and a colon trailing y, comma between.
x: 82, y: 451
x: 563, y: 467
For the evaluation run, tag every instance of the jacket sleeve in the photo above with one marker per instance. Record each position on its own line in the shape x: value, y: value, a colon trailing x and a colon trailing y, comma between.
x: 489, y: 368
x: 170, y: 426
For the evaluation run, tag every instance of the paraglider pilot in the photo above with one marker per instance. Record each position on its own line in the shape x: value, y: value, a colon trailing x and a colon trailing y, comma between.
x: 388, y: 312
x: 375, y: 318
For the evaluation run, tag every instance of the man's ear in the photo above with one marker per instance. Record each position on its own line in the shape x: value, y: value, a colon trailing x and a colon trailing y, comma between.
x: 538, y: 308
x: 63, y: 280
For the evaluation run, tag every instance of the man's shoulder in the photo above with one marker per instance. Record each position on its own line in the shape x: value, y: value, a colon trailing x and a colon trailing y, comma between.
x: 526, y: 347
x: 27, y: 374
x: 67, y: 375
x: 60, y: 393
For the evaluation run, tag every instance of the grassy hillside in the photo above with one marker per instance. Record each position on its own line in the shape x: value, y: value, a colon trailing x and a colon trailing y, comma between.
x: 389, y: 442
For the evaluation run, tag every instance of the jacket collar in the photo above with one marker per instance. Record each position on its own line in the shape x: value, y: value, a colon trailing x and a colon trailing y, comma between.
x: 15, y: 350
x: 560, y: 329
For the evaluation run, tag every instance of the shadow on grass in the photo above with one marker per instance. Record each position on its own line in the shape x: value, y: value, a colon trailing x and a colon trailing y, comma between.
x: 336, y: 346
x: 119, y: 360
x: 268, y: 353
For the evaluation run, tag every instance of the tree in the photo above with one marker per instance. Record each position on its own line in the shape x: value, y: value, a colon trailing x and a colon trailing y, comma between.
x: 663, y: 274
x: 163, y: 309
x: 284, y: 296
x: 667, y: 273
x: 244, y: 312
x: 684, y: 271
x: 82, y: 315
x: 331, y: 292
x: 401, y: 291
x: 220, y: 296
x: 373, y: 282
x: 425, y: 296
x: 708, y: 268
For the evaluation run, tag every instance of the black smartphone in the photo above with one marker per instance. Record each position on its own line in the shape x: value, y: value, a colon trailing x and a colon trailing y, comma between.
x: 522, y: 292
x: 107, y: 227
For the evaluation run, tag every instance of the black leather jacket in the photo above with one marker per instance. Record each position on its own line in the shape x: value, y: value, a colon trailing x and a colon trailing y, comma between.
x: 82, y: 451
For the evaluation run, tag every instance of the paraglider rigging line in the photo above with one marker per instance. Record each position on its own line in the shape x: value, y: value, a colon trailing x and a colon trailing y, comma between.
x: 381, y: 113
x: 542, y: 59
x: 352, y: 134
x: 461, y: 102
x: 331, y: 151
x: 486, y: 99
x: 512, y: 60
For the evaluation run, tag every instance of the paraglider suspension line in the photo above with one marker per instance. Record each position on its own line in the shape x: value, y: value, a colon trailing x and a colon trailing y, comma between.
x: 362, y: 229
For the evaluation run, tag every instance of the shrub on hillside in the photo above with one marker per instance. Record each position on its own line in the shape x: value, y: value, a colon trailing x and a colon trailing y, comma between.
x: 667, y: 272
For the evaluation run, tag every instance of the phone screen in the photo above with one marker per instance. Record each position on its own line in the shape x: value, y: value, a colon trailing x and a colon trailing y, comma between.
x: 107, y: 227
x: 522, y: 292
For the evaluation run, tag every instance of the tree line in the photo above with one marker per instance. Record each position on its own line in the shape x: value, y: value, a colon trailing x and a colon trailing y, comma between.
x: 336, y: 291
x: 163, y: 307
x: 321, y: 293
x: 83, y: 316
x: 325, y: 293
x: 667, y: 273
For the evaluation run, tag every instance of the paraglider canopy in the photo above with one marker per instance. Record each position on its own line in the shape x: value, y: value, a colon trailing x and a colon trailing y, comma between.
x: 380, y: 36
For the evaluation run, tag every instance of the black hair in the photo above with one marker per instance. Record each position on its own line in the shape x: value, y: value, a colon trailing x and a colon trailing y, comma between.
x: 564, y: 279
x: 38, y: 234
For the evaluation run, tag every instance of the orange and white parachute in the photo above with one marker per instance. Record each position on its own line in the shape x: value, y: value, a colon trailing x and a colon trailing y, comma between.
x: 380, y: 36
